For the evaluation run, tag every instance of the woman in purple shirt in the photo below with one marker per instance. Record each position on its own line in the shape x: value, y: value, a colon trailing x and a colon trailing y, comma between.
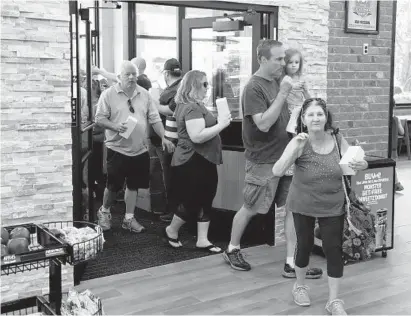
x: 194, y: 176
x: 316, y: 191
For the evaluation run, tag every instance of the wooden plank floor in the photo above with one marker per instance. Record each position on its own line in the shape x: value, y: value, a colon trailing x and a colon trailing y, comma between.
x: 209, y: 286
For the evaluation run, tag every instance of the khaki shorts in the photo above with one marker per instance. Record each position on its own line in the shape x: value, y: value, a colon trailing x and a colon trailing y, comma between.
x: 262, y: 189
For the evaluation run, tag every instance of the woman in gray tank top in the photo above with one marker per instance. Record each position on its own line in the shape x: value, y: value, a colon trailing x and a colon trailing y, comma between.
x: 316, y: 191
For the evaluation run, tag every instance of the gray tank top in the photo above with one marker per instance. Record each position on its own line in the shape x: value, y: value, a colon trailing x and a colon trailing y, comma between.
x: 316, y: 189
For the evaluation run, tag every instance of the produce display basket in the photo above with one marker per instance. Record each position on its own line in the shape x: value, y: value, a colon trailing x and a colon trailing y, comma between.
x: 36, y: 304
x: 27, y: 306
x: 43, y: 247
x: 81, y: 250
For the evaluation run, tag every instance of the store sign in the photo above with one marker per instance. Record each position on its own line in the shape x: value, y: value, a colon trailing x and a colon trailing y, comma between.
x: 361, y: 16
x: 375, y: 188
x: 9, y: 259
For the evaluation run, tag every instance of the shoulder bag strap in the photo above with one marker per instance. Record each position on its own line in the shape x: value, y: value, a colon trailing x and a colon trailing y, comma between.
x: 347, y: 199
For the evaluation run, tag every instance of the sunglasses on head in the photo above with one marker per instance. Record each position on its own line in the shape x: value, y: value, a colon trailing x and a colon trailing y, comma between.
x: 318, y: 100
x: 130, y: 106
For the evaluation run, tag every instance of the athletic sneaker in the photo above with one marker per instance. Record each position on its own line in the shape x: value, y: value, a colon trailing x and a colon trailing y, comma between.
x: 300, y: 295
x: 335, y: 307
x: 312, y: 273
x: 132, y: 225
x: 104, y: 219
x: 236, y: 261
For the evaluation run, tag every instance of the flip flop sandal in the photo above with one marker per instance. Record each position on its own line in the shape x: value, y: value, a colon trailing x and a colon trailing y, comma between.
x: 172, y: 242
x: 210, y: 248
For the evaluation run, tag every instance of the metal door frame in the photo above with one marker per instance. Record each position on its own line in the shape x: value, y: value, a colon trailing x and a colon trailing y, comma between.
x: 77, y: 130
x: 255, y: 20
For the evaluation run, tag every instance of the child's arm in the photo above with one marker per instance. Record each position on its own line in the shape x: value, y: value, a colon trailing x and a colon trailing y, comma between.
x: 401, y: 131
x: 305, y: 91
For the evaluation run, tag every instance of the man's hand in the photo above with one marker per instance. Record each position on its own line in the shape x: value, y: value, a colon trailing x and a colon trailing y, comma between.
x: 168, y: 145
x: 121, y: 128
x: 286, y: 84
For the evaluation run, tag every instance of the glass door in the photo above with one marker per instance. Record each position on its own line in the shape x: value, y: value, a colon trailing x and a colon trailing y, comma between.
x: 228, y: 58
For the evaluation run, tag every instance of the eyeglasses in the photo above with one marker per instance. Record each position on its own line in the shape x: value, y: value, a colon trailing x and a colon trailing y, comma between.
x: 205, y: 84
x: 130, y: 106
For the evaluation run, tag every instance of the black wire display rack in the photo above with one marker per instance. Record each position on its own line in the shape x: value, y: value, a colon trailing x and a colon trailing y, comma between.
x: 48, y: 250
x: 79, y: 251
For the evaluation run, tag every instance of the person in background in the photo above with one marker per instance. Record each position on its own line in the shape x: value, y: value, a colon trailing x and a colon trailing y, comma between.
x: 194, y: 175
x: 127, y: 158
x: 397, y: 130
x: 83, y: 94
x: 110, y: 77
x: 160, y: 160
x: 142, y: 79
x: 99, y: 84
x: 317, y: 191
x: 265, y: 138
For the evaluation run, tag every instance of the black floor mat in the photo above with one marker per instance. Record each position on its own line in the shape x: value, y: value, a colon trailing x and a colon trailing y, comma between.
x: 125, y: 251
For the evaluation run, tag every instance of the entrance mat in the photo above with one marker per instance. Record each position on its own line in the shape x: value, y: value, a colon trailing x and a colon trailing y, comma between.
x: 125, y: 251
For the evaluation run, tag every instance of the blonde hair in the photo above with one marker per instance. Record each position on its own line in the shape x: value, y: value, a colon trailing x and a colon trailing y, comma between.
x: 189, y: 87
x: 289, y: 53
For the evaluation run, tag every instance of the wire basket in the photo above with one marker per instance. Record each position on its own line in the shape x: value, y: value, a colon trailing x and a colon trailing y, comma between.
x: 85, y: 240
x: 42, y: 247
x: 39, y: 304
x: 27, y: 306
x: 66, y: 301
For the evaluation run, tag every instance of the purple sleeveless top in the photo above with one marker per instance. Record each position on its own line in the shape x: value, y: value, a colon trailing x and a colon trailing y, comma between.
x: 316, y: 189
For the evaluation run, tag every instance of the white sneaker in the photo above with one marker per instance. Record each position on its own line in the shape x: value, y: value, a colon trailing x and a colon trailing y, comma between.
x: 104, y: 219
x: 335, y: 307
x: 300, y: 295
x: 133, y: 226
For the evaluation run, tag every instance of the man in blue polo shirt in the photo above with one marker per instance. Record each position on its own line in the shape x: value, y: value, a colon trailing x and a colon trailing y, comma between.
x: 127, y: 158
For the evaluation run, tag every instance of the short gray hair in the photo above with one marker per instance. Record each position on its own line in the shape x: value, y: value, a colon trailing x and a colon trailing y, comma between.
x: 126, y: 63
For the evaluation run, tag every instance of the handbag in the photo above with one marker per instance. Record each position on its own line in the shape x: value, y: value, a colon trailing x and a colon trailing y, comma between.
x: 359, y: 227
x: 170, y: 129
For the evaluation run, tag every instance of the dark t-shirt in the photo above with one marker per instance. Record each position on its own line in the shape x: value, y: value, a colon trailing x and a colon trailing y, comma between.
x: 261, y: 147
x: 211, y: 149
x: 166, y: 98
x: 144, y: 82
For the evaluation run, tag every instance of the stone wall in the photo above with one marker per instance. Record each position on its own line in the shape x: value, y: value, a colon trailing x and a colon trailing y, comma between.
x: 36, y: 165
x: 359, y: 85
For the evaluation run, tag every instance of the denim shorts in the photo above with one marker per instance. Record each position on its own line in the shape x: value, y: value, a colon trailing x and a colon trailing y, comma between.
x: 262, y: 189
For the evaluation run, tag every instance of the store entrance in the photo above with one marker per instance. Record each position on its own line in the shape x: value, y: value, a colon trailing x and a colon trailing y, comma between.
x: 223, y: 46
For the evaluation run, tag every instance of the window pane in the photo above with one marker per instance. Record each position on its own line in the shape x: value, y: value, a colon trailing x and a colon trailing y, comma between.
x: 203, y: 13
x: 226, y: 58
x: 156, y: 20
x: 402, y: 77
x: 156, y: 52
